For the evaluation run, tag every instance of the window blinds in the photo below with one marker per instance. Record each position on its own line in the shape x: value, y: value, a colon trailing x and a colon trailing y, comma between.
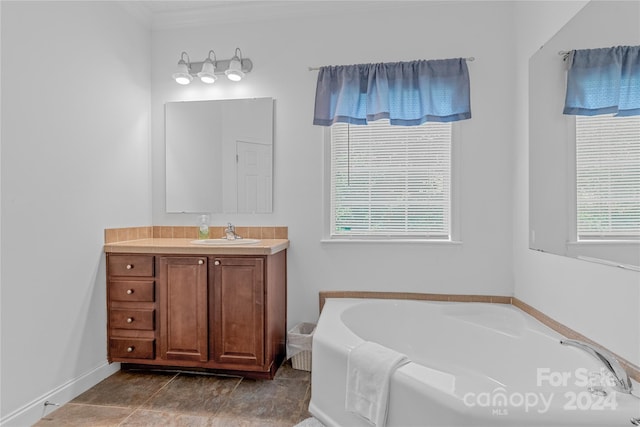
x: 391, y: 181
x: 608, y: 177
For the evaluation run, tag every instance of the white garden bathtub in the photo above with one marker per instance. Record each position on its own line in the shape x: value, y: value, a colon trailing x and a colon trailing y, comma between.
x: 473, y: 364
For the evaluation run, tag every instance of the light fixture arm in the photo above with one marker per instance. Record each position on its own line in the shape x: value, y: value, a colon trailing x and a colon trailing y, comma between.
x: 187, y: 62
x: 245, y: 68
x: 214, y: 61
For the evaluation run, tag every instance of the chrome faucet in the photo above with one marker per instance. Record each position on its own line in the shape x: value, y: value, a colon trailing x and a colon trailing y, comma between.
x: 230, y: 232
x: 621, y: 377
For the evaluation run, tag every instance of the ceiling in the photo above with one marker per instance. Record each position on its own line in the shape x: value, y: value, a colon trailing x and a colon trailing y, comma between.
x: 166, y: 14
x: 173, y: 6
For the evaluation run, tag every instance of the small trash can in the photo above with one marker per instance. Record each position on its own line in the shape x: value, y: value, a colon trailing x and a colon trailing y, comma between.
x: 299, y: 341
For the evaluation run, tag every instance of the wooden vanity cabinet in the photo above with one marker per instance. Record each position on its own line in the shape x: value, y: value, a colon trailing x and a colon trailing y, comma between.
x: 223, y: 313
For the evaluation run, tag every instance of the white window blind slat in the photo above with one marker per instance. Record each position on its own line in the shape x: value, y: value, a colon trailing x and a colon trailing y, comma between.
x: 391, y: 181
x: 608, y: 177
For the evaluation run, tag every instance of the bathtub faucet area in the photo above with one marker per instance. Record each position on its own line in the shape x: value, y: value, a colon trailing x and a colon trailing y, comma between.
x: 445, y: 384
x: 621, y: 377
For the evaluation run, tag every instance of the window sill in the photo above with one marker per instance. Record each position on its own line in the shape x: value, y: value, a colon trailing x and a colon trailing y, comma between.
x: 603, y: 242
x: 611, y: 263
x: 379, y: 240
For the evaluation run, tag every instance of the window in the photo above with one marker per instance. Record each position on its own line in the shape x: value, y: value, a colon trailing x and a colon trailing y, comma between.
x: 608, y: 177
x: 390, y: 181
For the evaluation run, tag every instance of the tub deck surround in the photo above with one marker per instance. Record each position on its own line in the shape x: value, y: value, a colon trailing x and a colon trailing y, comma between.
x: 496, y: 299
x: 632, y: 369
x: 478, y: 364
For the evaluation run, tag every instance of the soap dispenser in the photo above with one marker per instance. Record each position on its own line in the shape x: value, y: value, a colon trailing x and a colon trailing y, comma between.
x: 203, y: 227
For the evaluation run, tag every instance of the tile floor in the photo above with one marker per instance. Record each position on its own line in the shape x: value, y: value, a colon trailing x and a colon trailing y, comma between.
x: 140, y: 398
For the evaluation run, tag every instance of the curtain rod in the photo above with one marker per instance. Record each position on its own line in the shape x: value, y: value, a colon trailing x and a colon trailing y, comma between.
x: 470, y: 59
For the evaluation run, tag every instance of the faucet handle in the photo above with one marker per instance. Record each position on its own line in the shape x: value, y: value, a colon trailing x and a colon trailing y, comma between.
x: 230, y: 232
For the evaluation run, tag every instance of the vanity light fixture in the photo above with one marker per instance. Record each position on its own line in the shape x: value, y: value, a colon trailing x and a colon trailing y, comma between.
x: 208, y: 70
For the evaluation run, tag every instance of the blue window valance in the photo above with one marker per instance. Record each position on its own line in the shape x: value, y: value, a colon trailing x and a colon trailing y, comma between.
x: 406, y: 93
x: 603, y: 81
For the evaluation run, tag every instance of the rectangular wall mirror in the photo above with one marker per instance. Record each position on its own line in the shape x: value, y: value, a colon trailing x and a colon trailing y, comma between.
x: 553, y: 215
x: 219, y: 156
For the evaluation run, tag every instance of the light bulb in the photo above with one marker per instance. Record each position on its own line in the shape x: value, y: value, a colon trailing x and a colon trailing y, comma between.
x: 183, y: 80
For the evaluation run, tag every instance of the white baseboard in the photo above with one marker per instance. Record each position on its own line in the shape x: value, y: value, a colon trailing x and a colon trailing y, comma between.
x: 31, y: 412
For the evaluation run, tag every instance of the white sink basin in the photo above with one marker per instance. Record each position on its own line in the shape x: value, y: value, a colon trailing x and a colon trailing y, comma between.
x: 225, y: 242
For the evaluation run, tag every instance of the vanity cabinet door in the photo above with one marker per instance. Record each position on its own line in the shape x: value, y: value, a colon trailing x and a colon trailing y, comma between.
x: 238, y: 310
x: 183, y: 308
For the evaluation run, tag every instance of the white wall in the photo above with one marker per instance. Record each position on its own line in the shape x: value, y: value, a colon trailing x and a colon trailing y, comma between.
x: 75, y: 160
x: 598, y: 301
x: 75, y: 156
x: 281, y: 51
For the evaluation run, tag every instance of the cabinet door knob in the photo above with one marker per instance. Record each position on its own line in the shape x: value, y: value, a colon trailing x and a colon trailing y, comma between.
x: 129, y: 266
x: 129, y: 291
x: 129, y: 319
x: 200, y: 261
x: 130, y: 349
x: 216, y: 262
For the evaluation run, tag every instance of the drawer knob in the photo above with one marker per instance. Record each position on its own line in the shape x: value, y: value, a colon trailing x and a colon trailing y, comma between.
x: 129, y: 291
x: 217, y: 262
x: 130, y: 349
x: 129, y: 266
x: 129, y: 319
x: 200, y: 261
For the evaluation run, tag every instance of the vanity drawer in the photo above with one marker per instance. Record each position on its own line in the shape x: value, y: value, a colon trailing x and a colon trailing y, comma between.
x: 131, y: 265
x: 131, y: 319
x: 138, y: 291
x: 131, y: 348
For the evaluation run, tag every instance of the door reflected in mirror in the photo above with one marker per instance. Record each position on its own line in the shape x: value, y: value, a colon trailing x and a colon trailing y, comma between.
x: 219, y: 156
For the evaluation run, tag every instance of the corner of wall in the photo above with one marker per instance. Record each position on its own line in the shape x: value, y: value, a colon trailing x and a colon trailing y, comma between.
x: 33, y: 411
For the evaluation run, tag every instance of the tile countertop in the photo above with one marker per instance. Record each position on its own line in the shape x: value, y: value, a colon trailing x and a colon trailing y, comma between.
x: 176, y: 246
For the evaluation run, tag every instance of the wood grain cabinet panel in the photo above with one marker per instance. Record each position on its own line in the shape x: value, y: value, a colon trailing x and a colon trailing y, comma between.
x: 128, y: 318
x: 131, y: 265
x: 238, y: 310
x: 131, y: 348
x: 183, y: 308
x: 132, y: 291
